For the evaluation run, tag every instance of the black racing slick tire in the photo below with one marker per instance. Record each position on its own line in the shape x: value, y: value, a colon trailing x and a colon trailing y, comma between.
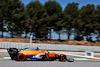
x: 21, y: 57
x: 62, y: 58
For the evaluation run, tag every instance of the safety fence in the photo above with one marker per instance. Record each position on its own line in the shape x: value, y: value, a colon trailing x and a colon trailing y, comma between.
x: 49, y: 46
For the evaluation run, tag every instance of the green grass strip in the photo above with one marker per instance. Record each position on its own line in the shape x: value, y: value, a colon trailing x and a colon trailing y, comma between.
x: 4, y: 56
x: 80, y: 58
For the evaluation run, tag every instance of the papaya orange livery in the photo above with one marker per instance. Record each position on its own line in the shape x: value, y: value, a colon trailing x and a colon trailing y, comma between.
x: 35, y: 54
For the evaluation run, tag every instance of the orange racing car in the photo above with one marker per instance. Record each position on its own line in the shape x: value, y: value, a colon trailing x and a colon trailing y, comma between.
x: 35, y: 54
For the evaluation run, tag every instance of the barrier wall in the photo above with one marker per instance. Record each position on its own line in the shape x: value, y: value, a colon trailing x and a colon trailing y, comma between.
x: 49, y: 46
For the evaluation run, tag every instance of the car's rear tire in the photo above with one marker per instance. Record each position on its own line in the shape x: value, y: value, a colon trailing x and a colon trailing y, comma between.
x: 21, y: 57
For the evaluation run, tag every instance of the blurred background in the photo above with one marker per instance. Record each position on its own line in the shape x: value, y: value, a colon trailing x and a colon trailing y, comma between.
x: 50, y: 19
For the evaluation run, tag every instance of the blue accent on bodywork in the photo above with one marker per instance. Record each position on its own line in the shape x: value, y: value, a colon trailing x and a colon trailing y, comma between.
x: 32, y: 49
x: 37, y: 57
x: 70, y: 60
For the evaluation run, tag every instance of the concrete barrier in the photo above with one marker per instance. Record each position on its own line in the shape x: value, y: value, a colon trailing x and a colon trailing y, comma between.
x: 49, y: 46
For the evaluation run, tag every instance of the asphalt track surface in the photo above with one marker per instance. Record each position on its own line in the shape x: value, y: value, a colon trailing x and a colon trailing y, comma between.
x: 56, y: 63
x: 11, y: 63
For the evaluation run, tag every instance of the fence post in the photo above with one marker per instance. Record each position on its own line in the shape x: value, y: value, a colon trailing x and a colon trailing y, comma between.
x: 30, y: 38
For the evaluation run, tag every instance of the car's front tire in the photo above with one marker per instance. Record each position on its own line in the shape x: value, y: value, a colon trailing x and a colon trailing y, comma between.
x: 62, y: 58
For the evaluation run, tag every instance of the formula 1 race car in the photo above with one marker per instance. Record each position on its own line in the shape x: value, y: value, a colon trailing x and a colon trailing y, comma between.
x: 36, y: 54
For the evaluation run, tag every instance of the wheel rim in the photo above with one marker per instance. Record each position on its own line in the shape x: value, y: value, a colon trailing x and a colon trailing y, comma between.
x: 21, y: 57
x: 63, y: 58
